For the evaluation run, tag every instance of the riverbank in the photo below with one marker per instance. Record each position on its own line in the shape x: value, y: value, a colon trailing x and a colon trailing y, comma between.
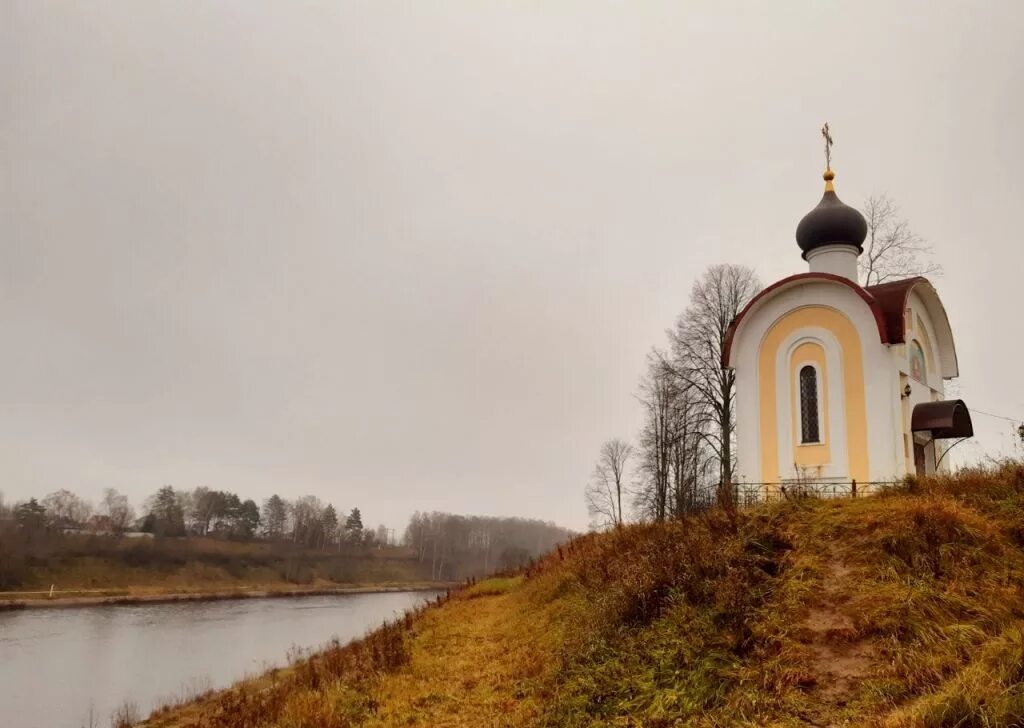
x: 111, y: 597
x: 84, y: 570
x: 902, y: 610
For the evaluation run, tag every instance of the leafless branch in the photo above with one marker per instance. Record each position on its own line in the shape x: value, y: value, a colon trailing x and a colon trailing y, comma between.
x: 892, y: 250
x: 604, y: 492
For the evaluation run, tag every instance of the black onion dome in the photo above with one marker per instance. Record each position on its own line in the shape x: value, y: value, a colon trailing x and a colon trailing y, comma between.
x: 831, y: 223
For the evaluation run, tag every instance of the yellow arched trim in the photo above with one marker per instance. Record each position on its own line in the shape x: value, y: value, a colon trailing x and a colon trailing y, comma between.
x: 852, y: 358
x: 818, y: 454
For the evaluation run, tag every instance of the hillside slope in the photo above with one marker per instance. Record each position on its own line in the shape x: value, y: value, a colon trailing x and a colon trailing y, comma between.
x: 905, y: 609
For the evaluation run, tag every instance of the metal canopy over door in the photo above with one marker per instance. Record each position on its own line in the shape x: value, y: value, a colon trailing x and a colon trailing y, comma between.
x: 937, y: 421
x: 943, y: 419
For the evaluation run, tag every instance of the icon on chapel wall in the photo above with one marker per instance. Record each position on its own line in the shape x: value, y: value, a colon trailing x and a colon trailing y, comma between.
x: 917, y: 365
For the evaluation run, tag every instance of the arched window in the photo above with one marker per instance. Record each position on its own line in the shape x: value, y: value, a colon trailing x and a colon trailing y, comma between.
x: 918, y: 363
x: 809, y: 430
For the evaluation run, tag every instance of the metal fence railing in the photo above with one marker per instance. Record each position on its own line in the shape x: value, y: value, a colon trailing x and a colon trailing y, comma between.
x: 751, y: 494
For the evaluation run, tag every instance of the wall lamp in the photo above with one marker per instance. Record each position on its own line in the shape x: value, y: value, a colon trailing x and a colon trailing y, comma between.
x: 906, y: 394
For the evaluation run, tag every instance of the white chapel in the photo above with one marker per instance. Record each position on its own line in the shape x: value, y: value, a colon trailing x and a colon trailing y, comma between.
x: 838, y: 382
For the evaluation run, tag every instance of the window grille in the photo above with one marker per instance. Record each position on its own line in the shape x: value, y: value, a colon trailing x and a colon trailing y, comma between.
x: 809, y: 430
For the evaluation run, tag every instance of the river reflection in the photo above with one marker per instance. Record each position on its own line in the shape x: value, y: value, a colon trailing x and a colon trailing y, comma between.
x: 58, y: 667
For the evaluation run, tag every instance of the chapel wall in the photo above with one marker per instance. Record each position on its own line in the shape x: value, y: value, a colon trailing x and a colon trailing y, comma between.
x: 765, y: 436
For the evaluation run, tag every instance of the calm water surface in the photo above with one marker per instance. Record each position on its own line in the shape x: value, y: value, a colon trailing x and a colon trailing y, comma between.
x: 57, y: 665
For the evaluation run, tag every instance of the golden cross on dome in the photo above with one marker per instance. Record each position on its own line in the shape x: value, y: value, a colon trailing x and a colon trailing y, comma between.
x: 828, y: 146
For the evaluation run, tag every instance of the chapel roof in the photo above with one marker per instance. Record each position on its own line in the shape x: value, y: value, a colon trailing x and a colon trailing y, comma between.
x: 831, y: 223
x: 800, y: 279
x: 892, y: 297
x: 886, y: 301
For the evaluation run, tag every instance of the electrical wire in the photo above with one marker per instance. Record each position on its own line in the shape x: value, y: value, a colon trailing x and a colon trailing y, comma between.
x: 998, y: 417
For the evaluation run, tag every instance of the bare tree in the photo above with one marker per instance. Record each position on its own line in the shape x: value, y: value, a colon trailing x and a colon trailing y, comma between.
x: 305, y: 513
x: 689, y: 458
x: 698, y: 342
x: 118, y: 510
x: 604, y: 492
x: 204, y: 506
x: 674, y: 459
x: 658, y: 391
x: 892, y: 250
x: 64, y: 509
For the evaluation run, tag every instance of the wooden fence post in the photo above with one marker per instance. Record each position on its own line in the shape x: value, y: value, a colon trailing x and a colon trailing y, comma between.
x: 853, y: 488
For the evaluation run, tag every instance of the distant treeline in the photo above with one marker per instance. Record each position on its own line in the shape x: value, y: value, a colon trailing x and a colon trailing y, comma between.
x: 198, y: 512
x: 53, y: 537
x: 459, y: 546
x: 197, y: 538
x: 34, y: 561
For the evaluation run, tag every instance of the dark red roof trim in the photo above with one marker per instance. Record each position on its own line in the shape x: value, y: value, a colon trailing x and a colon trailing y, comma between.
x: 865, y: 294
x: 892, y: 297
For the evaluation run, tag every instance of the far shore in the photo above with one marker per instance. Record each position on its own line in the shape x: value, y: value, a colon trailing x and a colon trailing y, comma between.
x: 59, y: 601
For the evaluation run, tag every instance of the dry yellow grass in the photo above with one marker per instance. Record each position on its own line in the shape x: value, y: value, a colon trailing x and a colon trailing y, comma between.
x: 903, y: 610
x: 473, y: 660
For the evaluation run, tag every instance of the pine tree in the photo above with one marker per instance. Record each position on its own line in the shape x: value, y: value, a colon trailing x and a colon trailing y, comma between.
x: 354, y: 526
x: 30, y: 515
x: 246, y: 519
x: 329, y: 524
x: 275, y: 512
x: 166, y: 515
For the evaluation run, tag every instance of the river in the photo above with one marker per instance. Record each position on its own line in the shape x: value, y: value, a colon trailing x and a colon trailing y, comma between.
x: 68, y: 668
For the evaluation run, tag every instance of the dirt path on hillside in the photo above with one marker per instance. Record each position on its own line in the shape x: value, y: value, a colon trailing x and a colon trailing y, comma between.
x: 838, y: 660
x: 498, y: 656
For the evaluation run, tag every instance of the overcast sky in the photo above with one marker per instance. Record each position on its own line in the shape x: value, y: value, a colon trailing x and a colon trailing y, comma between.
x: 412, y: 255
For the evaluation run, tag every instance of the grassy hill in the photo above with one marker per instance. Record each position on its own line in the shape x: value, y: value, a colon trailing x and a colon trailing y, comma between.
x: 904, y: 609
